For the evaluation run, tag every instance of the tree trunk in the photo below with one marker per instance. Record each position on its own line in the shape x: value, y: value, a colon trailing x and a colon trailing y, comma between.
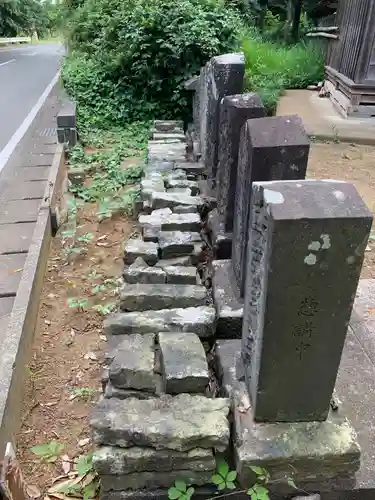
x: 263, y: 4
x: 296, y: 20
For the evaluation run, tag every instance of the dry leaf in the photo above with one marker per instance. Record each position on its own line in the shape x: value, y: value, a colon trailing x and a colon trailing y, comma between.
x: 14, y: 271
x: 47, y: 322
x: 68, y: 482
x: 89, y: 478
x: 102, y: 237
x: 83, y: 442
x: 91, y: 355
x: 33, y: 491
x: 66, y: 463
x: 103, y: 337
x: 99, y: 244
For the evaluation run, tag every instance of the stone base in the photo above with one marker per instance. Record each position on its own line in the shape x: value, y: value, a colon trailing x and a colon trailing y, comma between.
x: 202, y: 493
x: 221, y: 241
x: 319, y: 456
x: 206, y: 189
x: 228, y: 304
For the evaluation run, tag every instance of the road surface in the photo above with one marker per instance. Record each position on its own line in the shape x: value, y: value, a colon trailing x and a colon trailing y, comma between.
x: 27, y: 74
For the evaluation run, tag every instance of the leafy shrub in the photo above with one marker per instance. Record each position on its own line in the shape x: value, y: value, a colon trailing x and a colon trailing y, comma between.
x: 272, y: 67
x: 129, y: 58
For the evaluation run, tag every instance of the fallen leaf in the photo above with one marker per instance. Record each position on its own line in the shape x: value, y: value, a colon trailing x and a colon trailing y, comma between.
x: 53, y: 403
x: 91, y: 355
x: 47, y: 322
x: 100, y: 244
x: 33, y: 491
x: 103, y: 337
x: 83, y: 442
x: 368, y: 249
x: 66, y: 463
x: 102, y: 237
x: 14, y: 271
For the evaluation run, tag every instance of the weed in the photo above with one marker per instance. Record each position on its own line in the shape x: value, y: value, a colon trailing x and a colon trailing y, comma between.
x: 88, y: 486
x: 48, y: 452
x: 85, y: 238
x: 104, y: 309
x: 69, y: 251
x: 84, y: 393
x: 76, y: 303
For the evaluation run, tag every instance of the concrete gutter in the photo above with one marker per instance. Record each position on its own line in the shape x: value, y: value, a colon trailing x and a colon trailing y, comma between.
x: 16, y: 341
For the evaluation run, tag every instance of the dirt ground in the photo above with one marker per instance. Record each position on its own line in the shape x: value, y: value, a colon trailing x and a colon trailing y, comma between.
x: 69, y: 343
x: 355, y: 164
x: 68, y: 346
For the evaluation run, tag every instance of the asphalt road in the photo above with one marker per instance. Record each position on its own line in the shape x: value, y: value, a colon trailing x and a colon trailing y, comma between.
x: 25, y: 73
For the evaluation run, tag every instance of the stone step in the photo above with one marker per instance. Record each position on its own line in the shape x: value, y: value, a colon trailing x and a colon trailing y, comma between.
x: 196, y: 169
x: 177, y: 243
x: 180, y: 191
x: 178, y: 423
x: 184, y: 209
x: 179, y: 183
x: 135, y: 248
x: 140, y: 272
x: 184, y: 363
x: 133, y: 364
x: 164, y: 200
x: 181, y: 222
x: 181, y: 275
x: 168, y: 125
x: 111, y: 460
x: 165, y: 151
x: 185, y: 260
x: 200, y: 320
x: 162, y: 136
x: 145, y: 297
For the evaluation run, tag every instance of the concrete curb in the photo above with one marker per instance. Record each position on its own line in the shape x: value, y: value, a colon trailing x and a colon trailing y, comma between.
x: 16, y: 342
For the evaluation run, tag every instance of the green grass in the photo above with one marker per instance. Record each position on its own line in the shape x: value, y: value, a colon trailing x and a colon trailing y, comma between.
x: 271, y: 67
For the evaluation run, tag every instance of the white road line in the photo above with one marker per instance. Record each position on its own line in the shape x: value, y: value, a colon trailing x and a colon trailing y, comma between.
x: 7, y: 62
x: 22, y: 129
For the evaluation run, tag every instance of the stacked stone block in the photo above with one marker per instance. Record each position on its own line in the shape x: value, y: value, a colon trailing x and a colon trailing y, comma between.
x: 157, y: 420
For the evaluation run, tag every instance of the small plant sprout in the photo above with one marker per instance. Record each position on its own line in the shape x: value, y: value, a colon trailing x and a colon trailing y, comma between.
x: 224, y: 478
x: 69, y: 251
x: 98, y: 289
x: 67, y: 234
x: 180, y: 491
x: 77, y: 303
x: 88, y: 482
x: 84, y: 393
x: 48, y: 452
x: 85, y: 238
x: 104, y: 309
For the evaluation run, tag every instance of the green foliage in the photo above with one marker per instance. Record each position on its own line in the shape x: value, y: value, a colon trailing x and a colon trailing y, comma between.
x: 83, y: 489
x: 48, y: 452
x: 77, y: 303
x: 180, y: 491
x: 104, y: 309
x: 224, y: 478
x: 84, y: 393
x: 129, y: 60
x: 272, y: 67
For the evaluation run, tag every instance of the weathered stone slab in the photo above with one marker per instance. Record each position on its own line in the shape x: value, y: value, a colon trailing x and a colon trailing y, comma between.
x: 181, y: 275
x: 158, y: 167
x: 180, y: 183
x: 168, y: 125
x: 184, y: 363
x: 133, y: 363
x: 192, y: 169
x: 179, y: 423
x: 152, y: 479
x: 150, y: 234
x: 319, y: 232
x: 138, y: 248
x: 229, y: 369
x: 224, y: 76
x: 163, y: 200
x: 155, y: 218
x: 270, y: 149
x: 184, y: 209
x: 11, y: 267
x: 228, y: 303
x: 114, y: 460
x: 180, y: 191
x: 140, y: 272
x: 182, y: 222
x: 166, y: 151
x: 200, y: 320
x: 221, y: 240
x: 176, y: 175
x: 142, y: 297
x: 177, y: 243
x: 161, y: 136
x: 234, y: 112
x: 316, y: 451
x: 177, y: 261
x: 114, y: 392
x: 16, y: 238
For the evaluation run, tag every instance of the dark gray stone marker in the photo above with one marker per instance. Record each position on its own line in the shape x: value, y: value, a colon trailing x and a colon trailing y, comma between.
x: 223, y: 76
x: 234, y: 112
x: 274, y: 148
x: 306, y: 247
